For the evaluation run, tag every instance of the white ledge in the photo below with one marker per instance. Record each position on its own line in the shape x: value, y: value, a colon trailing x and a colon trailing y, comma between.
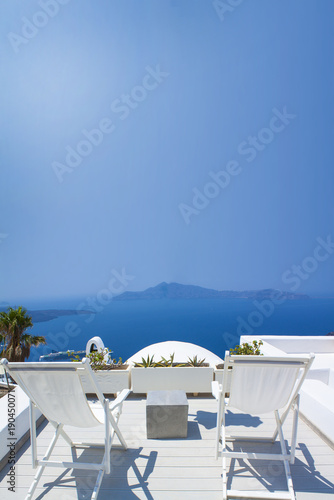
x: 317, y: 393
x: 22, y: 427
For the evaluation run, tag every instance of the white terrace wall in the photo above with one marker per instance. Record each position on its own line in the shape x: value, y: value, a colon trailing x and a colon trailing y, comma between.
x: 293, y: 344
x: 317, y: 393
x: 20, y: 402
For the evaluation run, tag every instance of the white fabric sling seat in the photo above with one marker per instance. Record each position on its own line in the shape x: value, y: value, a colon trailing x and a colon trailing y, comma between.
x: 56, y: 389
x: 257, y: 385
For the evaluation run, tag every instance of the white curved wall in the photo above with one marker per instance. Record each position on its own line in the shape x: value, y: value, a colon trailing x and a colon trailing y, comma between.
x: 182, y: 351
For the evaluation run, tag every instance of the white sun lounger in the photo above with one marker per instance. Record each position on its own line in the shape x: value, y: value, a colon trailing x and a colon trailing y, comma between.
x: 55, y: 388
x: 256, y: 385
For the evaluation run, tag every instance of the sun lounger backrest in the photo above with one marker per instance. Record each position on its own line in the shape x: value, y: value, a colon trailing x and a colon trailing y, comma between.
x: 263, y: 385
x: 57, y: 391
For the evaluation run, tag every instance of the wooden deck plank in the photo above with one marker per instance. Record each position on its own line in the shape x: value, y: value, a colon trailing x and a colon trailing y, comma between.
x: 177, y: 469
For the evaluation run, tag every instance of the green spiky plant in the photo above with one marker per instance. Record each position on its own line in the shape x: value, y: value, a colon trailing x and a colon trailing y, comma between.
x: 147, y: 363
x: 169, y: 362
x: 195, y: 361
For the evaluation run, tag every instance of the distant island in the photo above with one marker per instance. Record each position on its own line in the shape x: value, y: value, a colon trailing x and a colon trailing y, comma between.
x: 174, y: 291
x: 49, y: 314
x: 178, y: 291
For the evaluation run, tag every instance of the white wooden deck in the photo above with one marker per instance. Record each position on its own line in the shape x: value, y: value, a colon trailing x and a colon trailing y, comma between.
x: 180, y: 469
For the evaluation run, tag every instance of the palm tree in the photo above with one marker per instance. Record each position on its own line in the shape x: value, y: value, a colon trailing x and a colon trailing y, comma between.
x: 17, y: 343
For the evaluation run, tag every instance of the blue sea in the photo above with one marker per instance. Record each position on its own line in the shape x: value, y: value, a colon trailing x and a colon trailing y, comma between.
x: 216, y: 324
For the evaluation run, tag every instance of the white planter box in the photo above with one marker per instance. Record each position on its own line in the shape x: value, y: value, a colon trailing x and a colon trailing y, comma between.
x: 188, y: 379
x: 219, y: 378
x: 219, y: 375
x: 110, y: 381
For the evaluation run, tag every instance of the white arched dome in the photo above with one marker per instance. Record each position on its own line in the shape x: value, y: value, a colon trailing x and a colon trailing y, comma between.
x: 182, y: 351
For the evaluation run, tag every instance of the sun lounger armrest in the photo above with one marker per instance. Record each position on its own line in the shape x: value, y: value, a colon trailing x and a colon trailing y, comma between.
x: 215, y: 389
x: 120, y: 398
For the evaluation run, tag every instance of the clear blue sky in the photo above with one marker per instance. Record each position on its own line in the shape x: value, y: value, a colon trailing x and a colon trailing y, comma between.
x: 179, y: 89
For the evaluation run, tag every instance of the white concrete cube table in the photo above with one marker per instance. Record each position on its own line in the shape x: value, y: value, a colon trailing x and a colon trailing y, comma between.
x: 166, y: 414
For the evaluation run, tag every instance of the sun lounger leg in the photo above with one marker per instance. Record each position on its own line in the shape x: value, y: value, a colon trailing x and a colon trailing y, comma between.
x: 224, y: 458
x: 285, y: 462
x: 219, y: 427
x: 117, y: 431
x: 41, y: 468
x: 97, y: 485
x: 32, y: 417
x: 107, y: 436
x: 294, y: 430
x: 63, y: 433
